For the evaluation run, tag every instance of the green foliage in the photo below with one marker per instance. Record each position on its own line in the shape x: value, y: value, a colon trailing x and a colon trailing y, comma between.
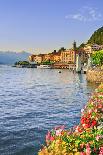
x: 97, y: 37
x: 22, y: 63
x: 47, y: 63
x: 97, y: 58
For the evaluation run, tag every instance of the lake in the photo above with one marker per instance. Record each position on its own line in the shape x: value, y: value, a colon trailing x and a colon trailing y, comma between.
x: 32, y: 101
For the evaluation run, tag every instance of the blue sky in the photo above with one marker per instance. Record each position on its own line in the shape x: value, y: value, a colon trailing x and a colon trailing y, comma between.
x: 40, y: 26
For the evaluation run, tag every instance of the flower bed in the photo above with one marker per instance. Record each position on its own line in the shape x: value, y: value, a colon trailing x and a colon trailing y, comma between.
x: 84, y: 139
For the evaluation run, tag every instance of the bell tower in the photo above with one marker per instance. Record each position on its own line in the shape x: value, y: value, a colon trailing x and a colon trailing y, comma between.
x: 74, y: 45
x: 74, y: 49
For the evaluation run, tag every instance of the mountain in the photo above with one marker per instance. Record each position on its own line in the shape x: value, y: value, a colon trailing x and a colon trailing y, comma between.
x: 11, y: 57
x: 97, y: 37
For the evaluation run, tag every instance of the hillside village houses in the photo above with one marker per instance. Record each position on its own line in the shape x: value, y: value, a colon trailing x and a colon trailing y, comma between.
x: 89, y: 49
x: 66, y: 58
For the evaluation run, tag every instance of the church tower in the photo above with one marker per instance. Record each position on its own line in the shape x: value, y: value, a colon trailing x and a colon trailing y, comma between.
x: 74, y: 45
x: 74, y: 49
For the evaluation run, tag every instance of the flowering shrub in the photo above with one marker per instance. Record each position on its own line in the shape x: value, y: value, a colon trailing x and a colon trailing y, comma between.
x: 84, y: 139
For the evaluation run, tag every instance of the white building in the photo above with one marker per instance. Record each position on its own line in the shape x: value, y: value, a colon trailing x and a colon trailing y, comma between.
x: 95, y: 47
x: 88, y: 49
x: 91, y: 48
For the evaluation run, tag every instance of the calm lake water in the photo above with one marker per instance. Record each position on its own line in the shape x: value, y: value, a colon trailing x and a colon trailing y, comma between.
x: 35, y: 100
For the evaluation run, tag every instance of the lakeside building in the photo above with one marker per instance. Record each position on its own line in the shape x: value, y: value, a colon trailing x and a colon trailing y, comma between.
x: 37, y: 58
x: 89, y: 49
x: 68, y: 56
x: 56, y: 56
x: 32, y: 58
x: 53, y: 57
x: 48, y: 57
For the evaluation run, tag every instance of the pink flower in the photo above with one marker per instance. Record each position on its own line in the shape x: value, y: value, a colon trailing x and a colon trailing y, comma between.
x: 101, y: 151
x: 97, y: 137
x: 60, y: 127
x: 88, y: 149
x: 99, y: 106
x: 89, y: 111
x: 82, y: 153
x: 95, y: 110
x: 48, y: 136
x: 58, y: 132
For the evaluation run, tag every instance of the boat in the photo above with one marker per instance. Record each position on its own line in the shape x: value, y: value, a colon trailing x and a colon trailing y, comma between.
x: 44, y: 66
x: 84, y: 70
x: 59, y: 71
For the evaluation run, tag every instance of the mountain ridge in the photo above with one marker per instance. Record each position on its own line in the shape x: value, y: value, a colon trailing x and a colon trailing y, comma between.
x: 96, y: 37
x: 10, y: 57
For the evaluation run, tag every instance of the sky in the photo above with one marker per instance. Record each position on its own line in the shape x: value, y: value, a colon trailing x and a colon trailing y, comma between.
x: 41, y: 26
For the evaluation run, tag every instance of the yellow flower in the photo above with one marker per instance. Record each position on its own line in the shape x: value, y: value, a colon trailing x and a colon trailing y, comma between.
x: 70, y: 154
x: 77, y: 153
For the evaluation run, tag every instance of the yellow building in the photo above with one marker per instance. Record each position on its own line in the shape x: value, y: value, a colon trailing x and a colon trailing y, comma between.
x: 32, y: 58
x: 88, y: 49
x: 37, y: 58
x: 68, y: 56
x: 47, y: 57
x: 57, y: 57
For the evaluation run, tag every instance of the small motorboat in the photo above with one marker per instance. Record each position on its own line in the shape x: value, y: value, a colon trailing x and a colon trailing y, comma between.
x: 59, y: 71
x: 44, y: 66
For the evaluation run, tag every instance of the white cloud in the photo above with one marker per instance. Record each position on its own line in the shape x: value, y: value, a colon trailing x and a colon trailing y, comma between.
x: 86, y: 14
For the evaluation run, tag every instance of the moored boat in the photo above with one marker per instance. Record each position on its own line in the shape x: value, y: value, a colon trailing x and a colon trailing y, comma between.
x: 44, y: 66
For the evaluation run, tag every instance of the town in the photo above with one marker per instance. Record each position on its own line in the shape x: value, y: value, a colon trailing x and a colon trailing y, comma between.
x: 65, y: 58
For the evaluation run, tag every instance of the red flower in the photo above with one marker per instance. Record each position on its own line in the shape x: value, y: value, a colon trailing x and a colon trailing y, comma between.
x: 82, y: 153
x: 85, y: 126
x: 52, y: 138
x: 94, y: 123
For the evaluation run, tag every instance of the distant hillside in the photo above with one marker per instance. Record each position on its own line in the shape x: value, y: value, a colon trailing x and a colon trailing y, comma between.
x: 12, y: 57
x: 97, y: 37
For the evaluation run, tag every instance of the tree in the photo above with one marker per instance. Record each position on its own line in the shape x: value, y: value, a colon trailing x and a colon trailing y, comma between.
x: 97, y: 58
x: 61, y: 49
x: 22, y: 63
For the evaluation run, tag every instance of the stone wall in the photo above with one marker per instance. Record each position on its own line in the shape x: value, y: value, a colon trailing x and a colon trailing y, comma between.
x: 95, y: 75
